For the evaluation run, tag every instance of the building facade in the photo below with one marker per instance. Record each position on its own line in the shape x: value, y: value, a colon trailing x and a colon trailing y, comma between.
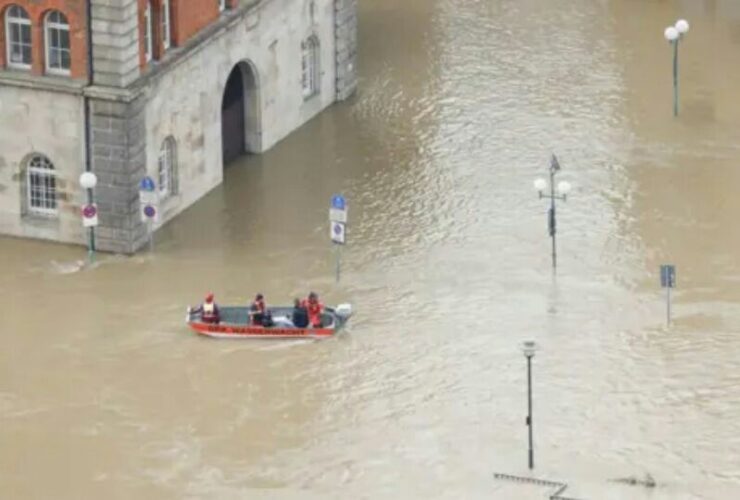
x: 171, y: 89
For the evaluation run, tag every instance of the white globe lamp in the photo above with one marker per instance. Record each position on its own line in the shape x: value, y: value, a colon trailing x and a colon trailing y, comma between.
x: 88, y: 180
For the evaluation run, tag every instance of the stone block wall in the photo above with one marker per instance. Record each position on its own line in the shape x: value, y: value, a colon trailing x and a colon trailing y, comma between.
x: 115, y: 37
x: 345, y: 25
x: 118, y: 147
x: 57, y: 121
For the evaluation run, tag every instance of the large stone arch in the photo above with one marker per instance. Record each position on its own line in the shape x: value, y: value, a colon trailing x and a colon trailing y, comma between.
x: 241, y: 117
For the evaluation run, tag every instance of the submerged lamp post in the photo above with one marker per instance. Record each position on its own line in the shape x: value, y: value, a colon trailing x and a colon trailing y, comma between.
x: 674, y: 34
x: 563, y: 188
x: 529, y: 347
x: 88, y: 180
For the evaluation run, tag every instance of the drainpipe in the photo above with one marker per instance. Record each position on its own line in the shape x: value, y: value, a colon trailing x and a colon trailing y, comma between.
x: 86, y: 100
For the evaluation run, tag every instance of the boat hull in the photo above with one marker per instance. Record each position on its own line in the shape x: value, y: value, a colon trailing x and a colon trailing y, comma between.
x: 235, y: 325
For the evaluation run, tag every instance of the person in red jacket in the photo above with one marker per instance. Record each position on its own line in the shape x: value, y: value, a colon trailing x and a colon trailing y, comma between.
x: 258, y: 310
x: 209, y: 312
x: 314, y: 308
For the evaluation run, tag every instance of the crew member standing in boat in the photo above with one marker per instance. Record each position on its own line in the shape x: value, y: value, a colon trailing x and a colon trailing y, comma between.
x: 258, y: 310
x: 300, y: 314
x: 314, y: 308
x: 209, y: 312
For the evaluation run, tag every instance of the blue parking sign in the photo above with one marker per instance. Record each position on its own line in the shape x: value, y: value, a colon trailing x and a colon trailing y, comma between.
x: 337, y: 201
x: 147, y: 184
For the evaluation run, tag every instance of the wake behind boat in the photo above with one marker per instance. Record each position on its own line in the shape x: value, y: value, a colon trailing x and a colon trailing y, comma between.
x: 235, y: 323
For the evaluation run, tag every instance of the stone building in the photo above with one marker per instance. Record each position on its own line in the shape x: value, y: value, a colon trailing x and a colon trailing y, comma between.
x: 166, y: 88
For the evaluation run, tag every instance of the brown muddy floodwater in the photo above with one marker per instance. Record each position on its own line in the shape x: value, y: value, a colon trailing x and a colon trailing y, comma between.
x: 105, y: 394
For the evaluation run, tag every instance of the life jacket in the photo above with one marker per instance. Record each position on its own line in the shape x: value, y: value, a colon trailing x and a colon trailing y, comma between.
x: 314, y: 311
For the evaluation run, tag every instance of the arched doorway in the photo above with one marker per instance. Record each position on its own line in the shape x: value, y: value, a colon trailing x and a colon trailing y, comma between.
x: 240, y: 114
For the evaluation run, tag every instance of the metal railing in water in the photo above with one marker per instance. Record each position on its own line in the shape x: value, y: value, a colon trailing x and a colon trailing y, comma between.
x: 557, y: 488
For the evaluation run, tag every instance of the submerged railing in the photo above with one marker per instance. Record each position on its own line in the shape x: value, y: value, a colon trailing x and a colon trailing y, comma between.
x: 557, y: 488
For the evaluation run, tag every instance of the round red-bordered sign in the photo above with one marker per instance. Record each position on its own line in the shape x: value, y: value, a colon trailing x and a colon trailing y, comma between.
x: 89, y: 211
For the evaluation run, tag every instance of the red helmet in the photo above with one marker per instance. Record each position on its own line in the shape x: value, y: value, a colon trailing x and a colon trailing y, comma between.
x: 209, y: 298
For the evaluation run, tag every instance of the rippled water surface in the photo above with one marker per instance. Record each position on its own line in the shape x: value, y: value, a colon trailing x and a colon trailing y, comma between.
x: 105, y: 394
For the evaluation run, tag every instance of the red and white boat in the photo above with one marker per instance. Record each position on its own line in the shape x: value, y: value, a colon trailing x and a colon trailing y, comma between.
x: 235, y: 323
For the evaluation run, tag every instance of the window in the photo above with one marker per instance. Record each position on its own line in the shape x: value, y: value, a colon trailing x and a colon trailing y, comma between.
x: 41, y: 185
x: 148, y: 32
x: 310, y: 67
x: 57, y: 43
x: 166, y: 33
x: 18, y: 35
x: 221, y: 5
x: 167, y: 168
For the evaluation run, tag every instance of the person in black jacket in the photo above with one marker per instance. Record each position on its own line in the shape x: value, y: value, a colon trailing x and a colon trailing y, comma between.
x: 300, y: 315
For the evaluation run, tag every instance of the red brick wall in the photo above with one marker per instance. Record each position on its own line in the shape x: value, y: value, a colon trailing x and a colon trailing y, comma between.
x: 37, y: 9
x: 190, y: 16
x: 187, y: 17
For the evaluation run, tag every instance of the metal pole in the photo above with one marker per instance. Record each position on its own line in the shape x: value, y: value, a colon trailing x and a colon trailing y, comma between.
x: 91, y: 232
x: 150, y: 228
x: 552, y: 218
x: 675, y: 76
x: 529, y: 414
x: 338, y: 255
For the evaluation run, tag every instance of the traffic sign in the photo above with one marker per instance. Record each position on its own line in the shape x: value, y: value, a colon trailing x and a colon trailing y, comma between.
x: 147, y: 184
x: 148, y: 197
x: 336, y: 215
x: 89, y: 215
x: 149, y: 212
x: 338, y: 232
x: 668, y: 276
x: 337, y: 201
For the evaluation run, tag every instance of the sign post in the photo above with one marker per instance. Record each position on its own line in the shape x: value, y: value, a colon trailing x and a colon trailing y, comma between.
x: 668, y: 281
x: 149, y: 205
x: 88, y: 181
x: 338, y: 226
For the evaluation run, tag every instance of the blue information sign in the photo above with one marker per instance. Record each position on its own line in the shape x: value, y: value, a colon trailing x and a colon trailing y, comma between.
x: 337, y: 201
x: 147, y: 184
x: 668, y: 276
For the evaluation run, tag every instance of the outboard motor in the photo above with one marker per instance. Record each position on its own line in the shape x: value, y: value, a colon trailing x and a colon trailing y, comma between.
x: 344, y: 311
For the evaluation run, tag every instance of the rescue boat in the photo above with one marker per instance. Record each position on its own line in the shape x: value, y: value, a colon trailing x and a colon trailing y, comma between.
x: 235, y: 323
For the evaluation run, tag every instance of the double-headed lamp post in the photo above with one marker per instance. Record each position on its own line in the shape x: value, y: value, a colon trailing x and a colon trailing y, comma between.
x: 88, y: 180
x: 563, y: 188
x: 674, y: 34
x: 529, y: 347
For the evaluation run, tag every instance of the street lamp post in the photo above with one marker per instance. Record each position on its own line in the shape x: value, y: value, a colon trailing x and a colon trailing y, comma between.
x: 529, y: 347
x: 674, y: 34
x: 563, y: 188
x: 88, y: 180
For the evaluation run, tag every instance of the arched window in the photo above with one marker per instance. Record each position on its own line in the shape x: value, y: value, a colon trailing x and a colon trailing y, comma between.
x: 166, y: 30
x: 148, y: 32
x: 18, y: 37
x: 310, y: 66
x: 41, y: 185
x: 57, y: 43
x: 168, y: 168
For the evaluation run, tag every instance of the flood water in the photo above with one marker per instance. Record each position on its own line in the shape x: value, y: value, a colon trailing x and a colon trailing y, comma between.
x: 104, y: 393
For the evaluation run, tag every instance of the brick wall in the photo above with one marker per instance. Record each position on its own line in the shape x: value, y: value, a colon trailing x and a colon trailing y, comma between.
x: 75, y: 12
x: 191, y: 16
x: 187, y: 17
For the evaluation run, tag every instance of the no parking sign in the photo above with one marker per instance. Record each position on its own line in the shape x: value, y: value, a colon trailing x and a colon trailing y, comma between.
x: 90, y: 215
x: 149, y: 200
